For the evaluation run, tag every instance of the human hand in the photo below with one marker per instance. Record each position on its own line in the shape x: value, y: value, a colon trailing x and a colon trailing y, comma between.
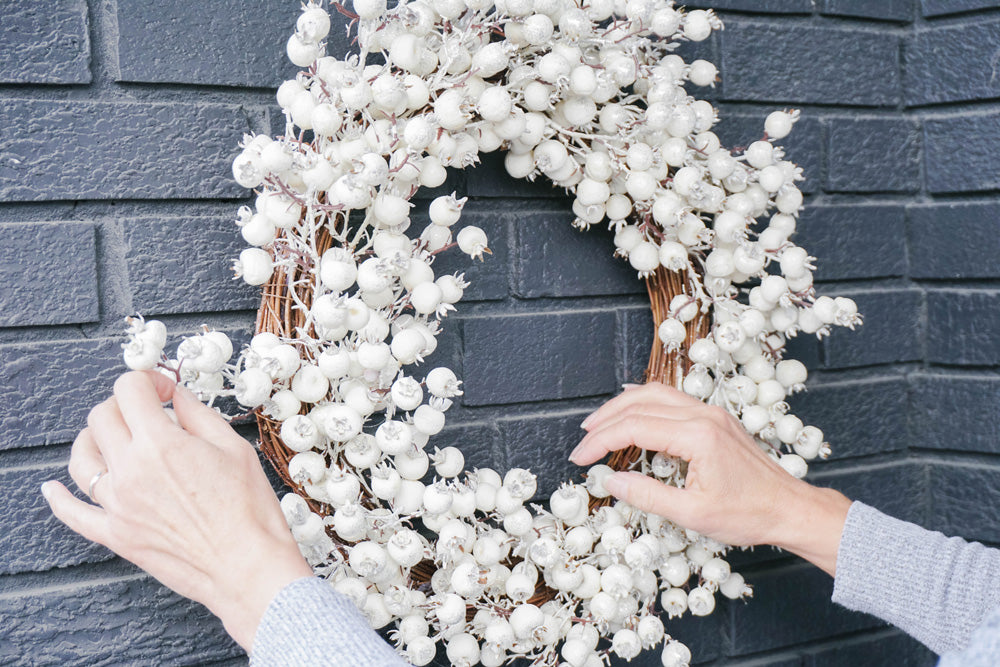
x: 188, y: 503
x: 734, y: 492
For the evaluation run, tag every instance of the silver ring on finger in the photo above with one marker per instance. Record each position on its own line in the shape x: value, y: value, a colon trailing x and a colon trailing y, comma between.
x: 93, y: 482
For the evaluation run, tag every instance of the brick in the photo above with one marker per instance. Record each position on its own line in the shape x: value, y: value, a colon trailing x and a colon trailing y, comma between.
x: 854, y: 241
x: 477, y: 442
x: 790, y: 605
x: 897, y: 489
x: 956, y: 158
x: 490, y: 179
x: 873, y: 155
x: 555, y: 260
x: 946, y: 64
x: 940, y: 403
x: 858, y: 418
x: 44, y: 42
x: 125, y: 621
x: 890, y: 10
x: 637, y: 342
x: 761, y: 6
x: 807, y: 349
x: 804, y: 146
x: 894, y: 649
x: 962, y: 327
x: 235, y: 44
x: 49, y: 273
x: 183, y: 265
x: 542, y: 443
x: 110, y: 150
x: 965, y: 500
x: 954, y: 241
x: 891, y: 331
x: 31, y: 537
x: 537, y: 357
x: 809, y: 65
x: 47, y: 389
x: 488, y: 278
x: 941, y: 7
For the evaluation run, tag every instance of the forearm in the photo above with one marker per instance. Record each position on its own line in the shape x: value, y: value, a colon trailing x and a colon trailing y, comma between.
x: 935, y: 588
x: 308, y: 623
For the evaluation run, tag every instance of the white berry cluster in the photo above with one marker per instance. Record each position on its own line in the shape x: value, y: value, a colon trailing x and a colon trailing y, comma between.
x: 589, y: 94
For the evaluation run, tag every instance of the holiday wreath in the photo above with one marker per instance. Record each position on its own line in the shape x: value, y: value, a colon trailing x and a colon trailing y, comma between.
x: 588, y: 94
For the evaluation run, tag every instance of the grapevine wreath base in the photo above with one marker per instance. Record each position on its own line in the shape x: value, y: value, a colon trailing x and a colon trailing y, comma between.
x: 590, y: 95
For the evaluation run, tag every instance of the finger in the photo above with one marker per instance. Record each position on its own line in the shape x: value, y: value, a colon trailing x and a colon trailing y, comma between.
x: 108, y: 428
x: 138, y: 395
x: 676, y: 437
x: 85, y: 460
x: 650, y: 495
x: 83, y: 518
x: 649, y: 392
x: 199, y: 419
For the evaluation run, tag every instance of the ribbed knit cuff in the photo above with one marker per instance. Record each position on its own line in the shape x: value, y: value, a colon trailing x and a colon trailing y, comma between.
x: 309, y: 624
x: 934, y: 588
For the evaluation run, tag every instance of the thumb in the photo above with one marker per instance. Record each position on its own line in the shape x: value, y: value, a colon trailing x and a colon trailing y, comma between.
x: 649, y: 495
x: 198, y: 419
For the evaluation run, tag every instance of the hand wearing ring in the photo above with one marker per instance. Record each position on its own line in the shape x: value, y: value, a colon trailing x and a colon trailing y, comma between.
x: 93, y: 482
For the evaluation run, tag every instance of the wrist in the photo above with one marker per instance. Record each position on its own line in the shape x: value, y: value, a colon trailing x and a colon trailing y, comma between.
x: 243, y: 591
x: 813, y: 524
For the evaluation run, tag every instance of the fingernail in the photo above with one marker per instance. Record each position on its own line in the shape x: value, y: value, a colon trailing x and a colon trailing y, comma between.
x: 575, y: 452
x: 46, y: 490
x: 586, y: 420
x: 630, y: 385
x: 616, y: 483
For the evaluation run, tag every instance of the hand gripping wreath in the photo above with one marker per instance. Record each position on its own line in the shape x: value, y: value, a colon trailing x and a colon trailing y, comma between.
x: 591, y: 97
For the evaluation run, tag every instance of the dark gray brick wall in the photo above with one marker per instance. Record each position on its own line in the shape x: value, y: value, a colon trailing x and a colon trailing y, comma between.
x: 119, y: 124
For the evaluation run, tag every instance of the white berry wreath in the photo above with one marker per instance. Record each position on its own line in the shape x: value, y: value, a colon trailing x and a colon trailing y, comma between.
x: 589, y: 94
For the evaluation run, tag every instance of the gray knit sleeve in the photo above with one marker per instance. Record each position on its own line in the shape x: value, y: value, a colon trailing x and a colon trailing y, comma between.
x: 937, y: 589
x: 308, y: 624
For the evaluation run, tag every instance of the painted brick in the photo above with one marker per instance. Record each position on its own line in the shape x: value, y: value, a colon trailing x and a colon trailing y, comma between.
x: 800, y: 592
x: 44, y: 42
x: 804, y: 146
x: 236, y: 44
x: 762, y: 6
x: 490, y: 179
x: 954, y: 241
x: 106, y: 150
x: 49, y: 273
x: 554, y: 259
x: 948, y: 64
x: 873, y: 155
x: 940, y: 403
x: 891, y: 331
x: 898, y: 489
x: 890, y: 10
x: 962, y: 327
x: 946, y: 138
x: 488, y: 278
x: 895, y: 649
x: 854, y: 241
x: 941, y: 7
x: 809, y: 65
x: 182, y: 265
x: 807, y: 349
x: 637, y: 334
x: 858, y: 418
x: 542, y: 444
x: 965, y: 500
x: 47, y: 389
x: 537, y: 357
x: 31, y: 537
x: 132, y: 621
x: 477, y: 442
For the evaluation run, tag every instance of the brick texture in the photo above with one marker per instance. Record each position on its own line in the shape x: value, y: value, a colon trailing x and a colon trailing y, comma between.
x: 115, y: 152
x: 44, y: 42
x: 49, y: 273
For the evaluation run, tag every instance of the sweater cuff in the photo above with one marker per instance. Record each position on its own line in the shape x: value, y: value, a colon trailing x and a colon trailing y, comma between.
x: 309, y: 623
